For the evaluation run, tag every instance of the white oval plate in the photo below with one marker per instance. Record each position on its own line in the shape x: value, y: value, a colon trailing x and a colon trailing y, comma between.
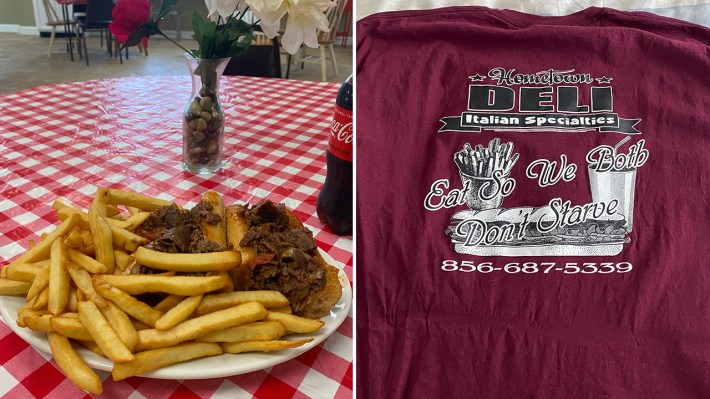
x: 208, y: 367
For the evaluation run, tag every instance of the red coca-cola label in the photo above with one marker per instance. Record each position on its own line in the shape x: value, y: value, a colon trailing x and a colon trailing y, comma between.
x: 340, y: 143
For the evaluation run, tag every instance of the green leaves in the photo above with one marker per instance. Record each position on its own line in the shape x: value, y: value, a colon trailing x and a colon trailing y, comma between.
x: 145, y: 30
x: 221, y: 41
x: 208, y: 73
x: 135, y: 37
x: 204, y: 34
x: 243, y: 34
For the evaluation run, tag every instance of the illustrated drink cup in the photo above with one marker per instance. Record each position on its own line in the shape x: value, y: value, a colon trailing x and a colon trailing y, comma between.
x: 619, y: 185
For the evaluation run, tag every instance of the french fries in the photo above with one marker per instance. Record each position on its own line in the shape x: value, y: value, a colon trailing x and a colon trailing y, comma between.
x: 72, y: 305
x: 139, y: 325
x: 136, y: 219
x: 122, y: 259
x: 58, y: 279
x: 112, y: 211
x: 121, y: 323
x: 38, y: 322
x: 103, y: 244
x: 295, y: 324
x: 12, y: 287
x: 132, y: 210
x: 40, y: 282
x: 24, y: 271
x: 82, y: 279
x: 126, y: 240
x: 91, y: 345
x: 207, y: 262
x: 178, y: 285
x: 269, y: 299
x: 140, y: 201
x: 74, y: 239
x: 70, y: 327
x: 87, y: 263
x: 282, y: 309
x: 72, y: 365
x: 64, y: 213
x: 102, y: 333
x: 132, y: 306
x: 230, y: 284
x: 156, y: 358
x: 168, y: 303
x: 193, y: 328
x: 41, y: 250
x: 24, y: 313
x: 256, y: 331
x: 77, y: 284
x: 178, y: 313
x: 41, y: 300
x: 261, y: 346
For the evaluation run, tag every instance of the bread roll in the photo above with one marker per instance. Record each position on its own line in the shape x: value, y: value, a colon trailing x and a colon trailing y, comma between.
x: 318, y: 302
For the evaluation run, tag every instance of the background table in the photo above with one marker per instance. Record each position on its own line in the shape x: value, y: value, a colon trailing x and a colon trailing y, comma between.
x: 66, y: 140
x: 68, y: 16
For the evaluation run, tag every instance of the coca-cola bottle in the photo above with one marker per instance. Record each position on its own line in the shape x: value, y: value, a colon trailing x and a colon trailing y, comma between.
x: 335, y: 201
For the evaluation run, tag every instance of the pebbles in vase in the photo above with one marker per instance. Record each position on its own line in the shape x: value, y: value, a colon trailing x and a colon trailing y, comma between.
x: 203, y: 129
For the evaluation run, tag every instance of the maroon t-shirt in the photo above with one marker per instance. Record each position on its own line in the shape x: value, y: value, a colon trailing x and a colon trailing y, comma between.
x: 532, y: 205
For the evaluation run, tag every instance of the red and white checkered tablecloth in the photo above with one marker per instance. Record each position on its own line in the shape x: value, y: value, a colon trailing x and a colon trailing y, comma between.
x: 65, y: 140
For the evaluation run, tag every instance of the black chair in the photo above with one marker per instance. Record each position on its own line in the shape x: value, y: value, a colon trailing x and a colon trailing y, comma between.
x: 261, y: 60
x: 98, y: 18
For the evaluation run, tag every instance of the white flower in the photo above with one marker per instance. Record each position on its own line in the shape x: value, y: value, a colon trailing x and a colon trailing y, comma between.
x: 269, y: 14
x: 266, y: 6
x: 224, y: 8
x: 305, y: 17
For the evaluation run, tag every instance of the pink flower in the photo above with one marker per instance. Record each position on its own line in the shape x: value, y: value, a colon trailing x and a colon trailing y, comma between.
x: 129, y: 16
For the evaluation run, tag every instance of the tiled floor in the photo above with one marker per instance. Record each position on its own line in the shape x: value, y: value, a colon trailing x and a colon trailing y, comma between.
x: 24, y: 63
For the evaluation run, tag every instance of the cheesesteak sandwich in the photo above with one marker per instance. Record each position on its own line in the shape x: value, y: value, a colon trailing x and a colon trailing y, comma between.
x: 174, y: 230
x: 279, y: 253
x: 155, y: 288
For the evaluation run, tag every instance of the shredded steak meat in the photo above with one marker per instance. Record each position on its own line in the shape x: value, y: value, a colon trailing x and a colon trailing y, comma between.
x: 174, y: 230
x: 266, y: 212
x: 284, y: 256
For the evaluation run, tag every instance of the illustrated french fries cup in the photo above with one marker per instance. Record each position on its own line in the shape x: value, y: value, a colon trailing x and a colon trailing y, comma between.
x: 479, y: 167
x: 483, y: 192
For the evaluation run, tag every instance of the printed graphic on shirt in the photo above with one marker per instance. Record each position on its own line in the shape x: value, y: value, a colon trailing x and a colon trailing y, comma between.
x: 489, y: 104
x: 487, y: 228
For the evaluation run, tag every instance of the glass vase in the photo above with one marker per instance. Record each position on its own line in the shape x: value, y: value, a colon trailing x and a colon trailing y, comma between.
x: 203, y: 118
